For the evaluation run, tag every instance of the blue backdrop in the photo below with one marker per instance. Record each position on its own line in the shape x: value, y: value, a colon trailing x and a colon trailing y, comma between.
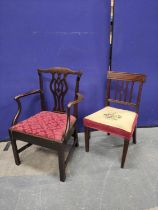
x: 135, y: 49
x: 45, y: 33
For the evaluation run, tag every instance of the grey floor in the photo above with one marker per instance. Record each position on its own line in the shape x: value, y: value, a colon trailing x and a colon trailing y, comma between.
x: 94, y: 181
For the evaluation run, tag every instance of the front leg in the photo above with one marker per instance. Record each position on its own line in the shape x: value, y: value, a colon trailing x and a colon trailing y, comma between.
x: 15, y: 150
x: 61, y: 160
x: 134, y: 135
x: 125, y: 149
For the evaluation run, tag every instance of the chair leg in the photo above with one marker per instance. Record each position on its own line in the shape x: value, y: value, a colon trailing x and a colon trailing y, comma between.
x: 61, y: 160
x: 125, y: 149
x: 87, y: 137
x: 134, y: 135
x: 76, y: 138
x: 15, y: 152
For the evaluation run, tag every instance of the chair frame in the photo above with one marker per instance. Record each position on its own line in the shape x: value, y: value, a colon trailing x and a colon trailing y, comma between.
x: 125, y: 78
x: 58, y: 107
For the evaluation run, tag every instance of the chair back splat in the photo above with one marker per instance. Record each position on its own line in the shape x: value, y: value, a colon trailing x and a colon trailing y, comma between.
x: 58, y: 87
x: 124, y: 88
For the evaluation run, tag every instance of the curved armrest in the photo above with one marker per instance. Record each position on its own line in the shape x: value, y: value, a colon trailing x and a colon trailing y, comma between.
x: 17, y: 99
x: 27, y: 94
x: 79, y: 99
x: 69, y: 105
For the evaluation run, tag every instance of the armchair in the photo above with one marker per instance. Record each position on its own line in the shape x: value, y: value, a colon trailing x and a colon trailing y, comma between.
x: 50, y: 129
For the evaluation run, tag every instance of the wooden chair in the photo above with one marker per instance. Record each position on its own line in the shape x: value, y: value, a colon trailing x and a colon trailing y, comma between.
x: 50, y: 129
x: 123, y: 89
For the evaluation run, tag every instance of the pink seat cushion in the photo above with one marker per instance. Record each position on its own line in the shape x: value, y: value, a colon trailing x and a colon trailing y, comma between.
x: 45, y: 124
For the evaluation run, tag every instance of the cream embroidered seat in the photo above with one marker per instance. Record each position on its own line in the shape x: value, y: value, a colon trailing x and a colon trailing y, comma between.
x: 123, y: 89
x: 112, y: 120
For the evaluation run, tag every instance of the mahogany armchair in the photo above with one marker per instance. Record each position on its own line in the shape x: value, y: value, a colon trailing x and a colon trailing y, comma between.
x: 50, y: 129
x: 122, y: 89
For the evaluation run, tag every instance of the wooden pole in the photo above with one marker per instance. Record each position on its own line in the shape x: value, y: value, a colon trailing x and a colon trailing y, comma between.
x: 112, y: 12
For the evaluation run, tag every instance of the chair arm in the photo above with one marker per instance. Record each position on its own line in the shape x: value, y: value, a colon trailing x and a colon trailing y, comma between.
x: 17, y: 99
x: 79, y: 99
x: 69, y: 105
x: 27, y: 94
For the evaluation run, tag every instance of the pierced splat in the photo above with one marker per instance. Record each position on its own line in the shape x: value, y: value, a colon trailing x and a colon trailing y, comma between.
x: 59, y: 88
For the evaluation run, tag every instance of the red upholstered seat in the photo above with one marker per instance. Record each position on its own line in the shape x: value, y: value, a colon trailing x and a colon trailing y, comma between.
x: 45, y: 124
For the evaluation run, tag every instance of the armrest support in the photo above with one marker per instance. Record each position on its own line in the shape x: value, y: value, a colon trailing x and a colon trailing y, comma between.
x: 17, y: 99
x: 69, y: 105
x: 79, y: 99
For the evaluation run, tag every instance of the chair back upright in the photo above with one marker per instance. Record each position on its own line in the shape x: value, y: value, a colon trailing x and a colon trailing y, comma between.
x: 123, y: 88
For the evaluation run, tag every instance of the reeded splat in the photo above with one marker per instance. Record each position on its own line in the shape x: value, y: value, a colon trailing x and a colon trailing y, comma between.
x: 59, y: 88
x: 126, y: 91
x: 131, y: 91
x: 123, y: 90
x: 124, y: 86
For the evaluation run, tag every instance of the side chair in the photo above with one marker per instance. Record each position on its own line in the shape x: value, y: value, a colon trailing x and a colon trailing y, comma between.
x: 50, y: 129
x: 123, y: 89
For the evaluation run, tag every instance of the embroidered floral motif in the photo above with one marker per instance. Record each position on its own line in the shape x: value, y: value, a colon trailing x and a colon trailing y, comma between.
x: 113, y: 116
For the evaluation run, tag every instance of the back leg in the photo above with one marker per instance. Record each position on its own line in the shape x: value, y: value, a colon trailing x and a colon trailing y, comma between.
x: 87, y: 137
x: 76, y: 138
